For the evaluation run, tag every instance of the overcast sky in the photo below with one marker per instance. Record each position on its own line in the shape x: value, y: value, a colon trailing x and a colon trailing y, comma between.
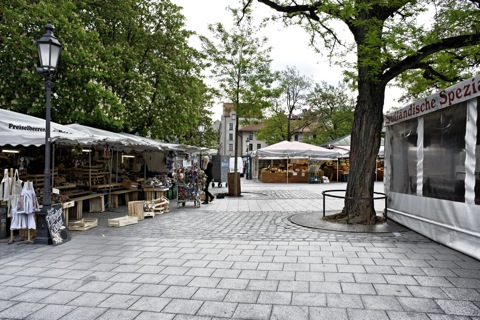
x: 289, y: 45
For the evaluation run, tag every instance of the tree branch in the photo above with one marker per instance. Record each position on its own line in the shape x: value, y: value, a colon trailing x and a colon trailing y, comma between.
x: 415, y: 61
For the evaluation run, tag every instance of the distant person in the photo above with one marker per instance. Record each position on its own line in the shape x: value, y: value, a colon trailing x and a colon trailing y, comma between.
x: 209, y: 174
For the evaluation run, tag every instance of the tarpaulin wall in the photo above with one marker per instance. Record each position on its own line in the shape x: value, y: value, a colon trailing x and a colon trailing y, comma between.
x: 432, y: 166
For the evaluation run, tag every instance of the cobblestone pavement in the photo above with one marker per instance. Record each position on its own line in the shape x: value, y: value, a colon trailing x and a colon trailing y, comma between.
x: 238, y: 258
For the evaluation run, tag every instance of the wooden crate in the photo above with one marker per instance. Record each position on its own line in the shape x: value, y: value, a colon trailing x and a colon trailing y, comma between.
x: 83, y: 224
x: 135, y: 209
x: 122, y: 221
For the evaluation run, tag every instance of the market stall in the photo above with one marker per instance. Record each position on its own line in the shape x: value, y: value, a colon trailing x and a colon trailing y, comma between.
x: 432, y: 163
x: 288, y: 161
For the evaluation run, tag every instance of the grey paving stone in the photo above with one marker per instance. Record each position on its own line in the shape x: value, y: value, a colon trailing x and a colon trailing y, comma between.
x: 150, y: 278
x: 400, y: 279
x: 153, y: 290
x: 61, y: 297
x: 320, y: 313
x: 217, y: 309
x: 19, y: 310
x: 392, y: 290
x: 243, y: 296
x: 433, y: 281
x: 381, y: 303
x: 293, y: 286
x: 339, y: 277
x: 370, y: 278
x: 89, y: 299
x: 51, y: 312
x: 462, y: 294
x: 182, y: 306
x: 177, y: 280
x: 461, y: 308
x: 310, y: 276
x: 225, y: 273
x: 204, y: 282
x: 179, y: 292
x: 84, y: 313
x: 95, y: 286
x: 211, y: 294
x: 419, y: 305
x: 357, y: 314
x: 427, y: 292
x: 465, y: 282
x: 325, y: 287
x: 271, y: 298
x: 33, y: 295
x: 439, y: 272
x: 152, y: 304
x: 289, y: 313
x: 122, y: 288
x: 252, y: 311
x: 119, y: 314
x: 263, y: 285
x: 118, y: 301
x: 398, y: 315
x: 434, y: 316
x: 309, y: 299
x: 281, y: 275
x: 233, y: 283
x: 358, y: 288
x: 344, y: 301
x: 253, y: 274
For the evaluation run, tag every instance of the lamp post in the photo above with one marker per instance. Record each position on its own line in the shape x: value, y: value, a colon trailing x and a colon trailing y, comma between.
x: 48, y: 52
x: 201, y: 130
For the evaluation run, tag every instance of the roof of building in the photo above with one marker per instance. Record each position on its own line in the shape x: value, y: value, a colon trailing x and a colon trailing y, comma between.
x: 252, y: 127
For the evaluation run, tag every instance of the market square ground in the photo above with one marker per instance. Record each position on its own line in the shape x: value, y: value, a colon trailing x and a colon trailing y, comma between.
x: 239, y: 258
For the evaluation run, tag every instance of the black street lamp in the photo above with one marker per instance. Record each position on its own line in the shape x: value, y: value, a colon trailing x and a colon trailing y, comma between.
x: 48, y: 52
x: 201, y: 130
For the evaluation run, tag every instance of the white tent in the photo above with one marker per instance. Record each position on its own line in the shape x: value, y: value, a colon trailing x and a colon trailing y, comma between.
x: 18, y: 129
x: 297, y: 149
x: 118, y: 141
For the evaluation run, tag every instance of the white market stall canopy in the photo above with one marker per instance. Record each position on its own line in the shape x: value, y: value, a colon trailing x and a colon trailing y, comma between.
x: 342, y: 146
x: 24, y: 130
x: 296, y: 149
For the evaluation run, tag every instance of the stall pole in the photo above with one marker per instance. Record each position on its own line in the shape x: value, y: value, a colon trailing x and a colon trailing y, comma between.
x: 287, y: 167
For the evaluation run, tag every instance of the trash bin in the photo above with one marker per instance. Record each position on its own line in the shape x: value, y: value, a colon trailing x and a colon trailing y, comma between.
x: 220, y: 169
x: 232, y: 191
x: 345, y: 177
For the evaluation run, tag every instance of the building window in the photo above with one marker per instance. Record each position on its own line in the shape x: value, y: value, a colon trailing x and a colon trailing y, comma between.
x: 230, y: 136
x: 296, y: 137
x: 250, y: 136
x: 230, y: 126
x: 250, y: 147
x: 259, y: 146
x: 230, y: 147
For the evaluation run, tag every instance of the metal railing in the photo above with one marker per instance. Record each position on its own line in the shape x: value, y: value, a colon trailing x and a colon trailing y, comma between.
x: 326, y: 194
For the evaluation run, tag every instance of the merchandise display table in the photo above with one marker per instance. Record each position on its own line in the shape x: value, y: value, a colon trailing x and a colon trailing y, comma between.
x: 128, y: 195
x: 96, y: 204
x: 154, y: 193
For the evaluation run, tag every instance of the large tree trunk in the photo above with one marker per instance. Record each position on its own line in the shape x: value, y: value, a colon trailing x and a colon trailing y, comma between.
x: 367, y: 127
x: 365, y: 143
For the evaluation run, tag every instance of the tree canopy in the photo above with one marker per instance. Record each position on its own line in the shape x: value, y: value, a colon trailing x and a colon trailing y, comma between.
x: 125, y: 65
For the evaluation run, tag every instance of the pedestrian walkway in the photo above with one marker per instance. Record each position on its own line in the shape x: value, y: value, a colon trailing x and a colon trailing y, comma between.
x: 239, y: 258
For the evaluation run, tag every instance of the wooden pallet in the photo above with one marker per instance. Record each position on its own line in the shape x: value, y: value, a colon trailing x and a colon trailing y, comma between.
x: 83, y: 224
x: 122, y: 221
